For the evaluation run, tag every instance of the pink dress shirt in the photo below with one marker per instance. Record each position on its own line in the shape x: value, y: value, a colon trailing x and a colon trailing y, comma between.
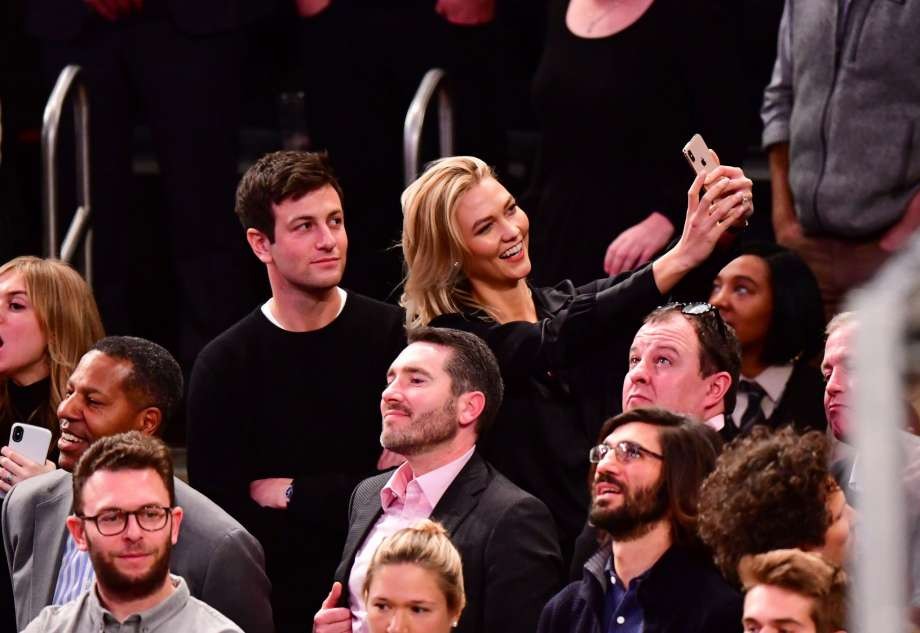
x: 405, y: 500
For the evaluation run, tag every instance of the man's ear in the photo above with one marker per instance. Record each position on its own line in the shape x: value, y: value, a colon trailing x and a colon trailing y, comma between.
x: 469, y: 407
x: 260, y: 245
x: 177, y: 514
x: 76, y: 525
x: 718, y: 385
x: 151, y: 419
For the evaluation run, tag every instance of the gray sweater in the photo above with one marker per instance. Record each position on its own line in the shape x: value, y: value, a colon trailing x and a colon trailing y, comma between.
x: 179, y: 612
x: 845, y: 94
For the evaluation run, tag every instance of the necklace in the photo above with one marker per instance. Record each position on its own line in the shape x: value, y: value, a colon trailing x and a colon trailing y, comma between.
x: 600, y: 16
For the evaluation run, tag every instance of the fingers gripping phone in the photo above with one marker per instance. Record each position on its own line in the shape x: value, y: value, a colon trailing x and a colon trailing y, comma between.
x: 701, y: 158
x: 30, y: 441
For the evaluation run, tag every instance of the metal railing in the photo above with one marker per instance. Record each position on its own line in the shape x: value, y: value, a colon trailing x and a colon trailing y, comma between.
x: 80, y: 229
x: 433, y: 81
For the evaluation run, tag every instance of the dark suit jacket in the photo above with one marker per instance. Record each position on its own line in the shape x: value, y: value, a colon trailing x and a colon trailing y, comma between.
x: 801, y: 405
x: 506, y: 539
x: 221, y: 562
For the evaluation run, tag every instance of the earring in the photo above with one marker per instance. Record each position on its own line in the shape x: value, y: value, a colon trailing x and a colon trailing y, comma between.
x: 455, y: 624
x: 456, y: 264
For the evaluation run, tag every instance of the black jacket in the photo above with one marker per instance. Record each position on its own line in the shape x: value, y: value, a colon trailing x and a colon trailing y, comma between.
x: 506, y: 540
x: 683, y: 593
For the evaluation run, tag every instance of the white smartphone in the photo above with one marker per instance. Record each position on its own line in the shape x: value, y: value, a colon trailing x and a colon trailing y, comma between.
x: 30, y: 441
x: 700, y: 157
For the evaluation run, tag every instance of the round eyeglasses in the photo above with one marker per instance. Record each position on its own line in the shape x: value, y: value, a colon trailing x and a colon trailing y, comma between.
x: 113, y: 522
x: 625, y: 451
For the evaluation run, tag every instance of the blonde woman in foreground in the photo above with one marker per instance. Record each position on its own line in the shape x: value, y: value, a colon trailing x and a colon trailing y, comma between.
x: 414, y: 583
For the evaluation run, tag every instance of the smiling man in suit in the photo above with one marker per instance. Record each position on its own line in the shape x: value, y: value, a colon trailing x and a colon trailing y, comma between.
x: 443, y: 391
x: 125, y: 384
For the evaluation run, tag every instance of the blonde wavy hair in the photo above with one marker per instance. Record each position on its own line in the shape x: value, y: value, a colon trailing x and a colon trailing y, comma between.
x: 427, y: 545
x: 433, y: 249
x: 69, y: 319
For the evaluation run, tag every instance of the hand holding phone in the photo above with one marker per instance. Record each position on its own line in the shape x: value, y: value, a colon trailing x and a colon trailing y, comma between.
x: 28, y: 442
x: 701, y: 158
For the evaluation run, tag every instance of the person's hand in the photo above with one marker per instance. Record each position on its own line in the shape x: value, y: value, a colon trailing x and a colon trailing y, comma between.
x: 269, y: 493
x: 15, y: 468
x: 895, y: 237
x: 727, y: 202
x: 389, y: 459
x: 309, y: 8
x: 330, y: 618
x: 111, y: 10
x: 466, y: 12
x: 637, y: 244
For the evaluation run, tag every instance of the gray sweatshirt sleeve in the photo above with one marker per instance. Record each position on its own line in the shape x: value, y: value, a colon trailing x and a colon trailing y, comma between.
x: 777, y: 97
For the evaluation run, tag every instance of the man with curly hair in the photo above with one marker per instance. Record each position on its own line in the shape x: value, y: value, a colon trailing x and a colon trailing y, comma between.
x: 791, y: 590
x: 773, y: 490
x: 652, y: 575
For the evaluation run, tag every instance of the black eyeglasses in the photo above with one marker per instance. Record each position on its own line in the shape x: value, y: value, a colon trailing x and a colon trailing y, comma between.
x: 625, y: 451
x: 702, y: 309
x: 112, y: 522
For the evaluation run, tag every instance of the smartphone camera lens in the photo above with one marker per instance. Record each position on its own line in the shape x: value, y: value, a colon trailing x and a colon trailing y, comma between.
x: 703, y: 160
x: 690, y: 154
x: 17, y: 434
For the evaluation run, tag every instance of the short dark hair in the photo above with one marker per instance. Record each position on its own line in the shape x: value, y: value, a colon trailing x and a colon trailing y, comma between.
x: 760, y: 481
x: 806, y: 574
x: 797, y: 321
x: 280, y: 176
x: 155, y: 379
x: 123, y: 451
x: 719, y: 347
x: 471, y: 367
x: 689, y: 450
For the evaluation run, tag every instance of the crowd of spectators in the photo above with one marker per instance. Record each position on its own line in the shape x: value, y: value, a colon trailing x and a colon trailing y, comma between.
x: 665, y: 429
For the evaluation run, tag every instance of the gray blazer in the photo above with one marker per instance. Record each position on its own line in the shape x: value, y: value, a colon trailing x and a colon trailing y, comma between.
x: 221, y: 562
x: 506, y: 539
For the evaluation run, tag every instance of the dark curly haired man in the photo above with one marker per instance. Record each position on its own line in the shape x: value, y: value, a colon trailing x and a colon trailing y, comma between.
x: 773, y: 490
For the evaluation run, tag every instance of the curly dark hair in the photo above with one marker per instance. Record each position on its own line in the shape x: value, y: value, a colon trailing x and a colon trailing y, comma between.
x: 769, y: 491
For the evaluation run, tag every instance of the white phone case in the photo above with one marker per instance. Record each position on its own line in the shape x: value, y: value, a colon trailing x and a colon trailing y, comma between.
x: 33, y: 443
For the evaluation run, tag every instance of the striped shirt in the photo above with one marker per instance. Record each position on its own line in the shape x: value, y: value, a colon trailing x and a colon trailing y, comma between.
x: 76, y: 575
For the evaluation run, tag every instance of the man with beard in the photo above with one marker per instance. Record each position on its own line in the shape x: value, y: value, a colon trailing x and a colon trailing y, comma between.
x: 654, y: 575
x: 125, y: 384
x: 442, y: 392
x: 125, y: 515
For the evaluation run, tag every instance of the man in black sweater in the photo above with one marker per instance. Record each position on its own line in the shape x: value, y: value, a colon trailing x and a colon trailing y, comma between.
x: 283, y: 406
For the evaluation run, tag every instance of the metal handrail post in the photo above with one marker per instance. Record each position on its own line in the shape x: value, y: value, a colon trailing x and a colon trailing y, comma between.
x: 69, y: 80
x: 433, y: 81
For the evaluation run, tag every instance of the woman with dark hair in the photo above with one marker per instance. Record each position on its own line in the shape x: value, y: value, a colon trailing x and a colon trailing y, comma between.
x: 771, y: 298
x: 773, y: 490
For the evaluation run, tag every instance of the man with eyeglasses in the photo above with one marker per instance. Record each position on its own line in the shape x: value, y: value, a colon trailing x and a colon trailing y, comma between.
x: 652, y: 574
x: 125, y: 515
x: 125, y: 384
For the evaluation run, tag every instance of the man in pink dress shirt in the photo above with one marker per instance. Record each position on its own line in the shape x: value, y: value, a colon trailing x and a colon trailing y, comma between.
x: 442, y: 391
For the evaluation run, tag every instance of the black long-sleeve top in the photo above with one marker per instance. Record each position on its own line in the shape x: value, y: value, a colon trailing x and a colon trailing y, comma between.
x: 563, y: 377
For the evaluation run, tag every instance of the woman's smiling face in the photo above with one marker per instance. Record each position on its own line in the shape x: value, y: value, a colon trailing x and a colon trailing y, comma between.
x: 495, y: 232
